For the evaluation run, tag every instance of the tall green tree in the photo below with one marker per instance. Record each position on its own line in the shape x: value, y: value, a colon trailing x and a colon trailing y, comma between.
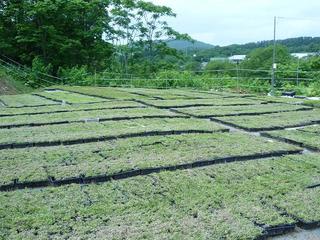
x: 142, y: 34
x: 262, y: 58
x: 98, y: 34
x: 63, y: 33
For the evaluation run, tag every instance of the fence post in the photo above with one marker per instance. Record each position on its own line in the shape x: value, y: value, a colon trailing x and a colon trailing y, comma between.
x: 297, y: 80
x: 237, y: 75
x: 166, y: 76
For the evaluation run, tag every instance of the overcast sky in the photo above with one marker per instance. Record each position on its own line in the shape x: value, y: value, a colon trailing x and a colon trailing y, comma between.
x: 223, y: 22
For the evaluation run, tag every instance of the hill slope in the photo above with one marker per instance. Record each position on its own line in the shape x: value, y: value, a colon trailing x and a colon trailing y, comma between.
x: 10, y: 86
x: 183, y: 45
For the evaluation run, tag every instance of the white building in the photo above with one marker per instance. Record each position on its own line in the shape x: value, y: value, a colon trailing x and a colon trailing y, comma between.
x: 237, y: 58
x: 303, y: 55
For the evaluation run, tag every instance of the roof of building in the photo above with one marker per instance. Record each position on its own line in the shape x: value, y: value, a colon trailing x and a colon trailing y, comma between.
x: 303, y: 54
x: 237, y: 57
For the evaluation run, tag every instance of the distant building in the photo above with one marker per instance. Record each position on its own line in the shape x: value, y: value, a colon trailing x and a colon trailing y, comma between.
x: 303, y: 55
x: 237, y: 58
x: 233, y: 59
x: 203, y: 65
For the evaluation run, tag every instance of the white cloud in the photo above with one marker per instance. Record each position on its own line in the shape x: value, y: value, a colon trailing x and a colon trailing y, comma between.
x: 238, y: 21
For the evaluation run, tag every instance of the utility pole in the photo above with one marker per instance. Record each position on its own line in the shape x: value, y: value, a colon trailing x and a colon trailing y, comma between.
x: 274, y: 66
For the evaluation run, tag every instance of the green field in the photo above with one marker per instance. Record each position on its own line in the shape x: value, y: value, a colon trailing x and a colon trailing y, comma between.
x: 126, y: 163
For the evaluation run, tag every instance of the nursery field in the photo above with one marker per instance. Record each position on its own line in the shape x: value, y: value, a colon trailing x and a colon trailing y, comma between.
x: 126, y: 163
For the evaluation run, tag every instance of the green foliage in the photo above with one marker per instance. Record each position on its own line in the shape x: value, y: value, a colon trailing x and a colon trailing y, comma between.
x: 261, y: 58
x: 61, y: 33
x: 74, y: 75
x: 220, y: 65
x: 39, y: 70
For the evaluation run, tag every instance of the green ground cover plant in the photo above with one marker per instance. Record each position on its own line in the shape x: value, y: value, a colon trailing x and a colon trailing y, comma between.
x: 68, y: 97
x: 225, y: 94
x: 229, y: 200
x: 78, y: 131
x: 312, y: 103
x: 81, y: 116
x: 274, y: 120
x: 223, y: 201
x: 105, y: 92
x: 156, y: 93
x: 278, y: 99
x: 312, y: 129
x: 216, y: 111
x: 68, y: 108
x: 183, y: 93
x: 129, y: 154
x: 307, y: 137
x: 24, y: 100
x: 177, y: 93
x: 200, y: 102
x: 303, y: 204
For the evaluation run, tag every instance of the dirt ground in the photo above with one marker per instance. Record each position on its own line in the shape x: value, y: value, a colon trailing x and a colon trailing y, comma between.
x: 5, y: 88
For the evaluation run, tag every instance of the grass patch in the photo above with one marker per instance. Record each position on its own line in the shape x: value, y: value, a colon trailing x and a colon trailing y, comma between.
x: 312, y: 103
x: 105, y: 92
x: 308, y: 137
x: 78, y: 131
x: 223, y: 201
x: 70, y: 97
x: 274, y: 121
x: 24, y: 100
x: 217, y: 111
x: 122, y: 155
x: 68, y: 108
x: 81, y: 116
x: 199, y: 102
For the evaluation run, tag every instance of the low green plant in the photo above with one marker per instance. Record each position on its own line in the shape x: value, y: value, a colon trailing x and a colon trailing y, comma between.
x: 121, y: 155
x: 24, y: 100
x: 231, y: 201
x: 217, y: 111
x: 307, y: 137
x: 69, y: 97
x: 274, y: 120
x: 68, y: 108
x: 79, y: 131
x: 81, y: 116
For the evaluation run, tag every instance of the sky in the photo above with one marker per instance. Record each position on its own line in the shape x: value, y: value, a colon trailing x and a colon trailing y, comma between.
x: 224, y: 22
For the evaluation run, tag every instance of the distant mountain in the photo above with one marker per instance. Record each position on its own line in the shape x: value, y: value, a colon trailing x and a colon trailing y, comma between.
x: 299, y: 44
x: 184, y: 45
